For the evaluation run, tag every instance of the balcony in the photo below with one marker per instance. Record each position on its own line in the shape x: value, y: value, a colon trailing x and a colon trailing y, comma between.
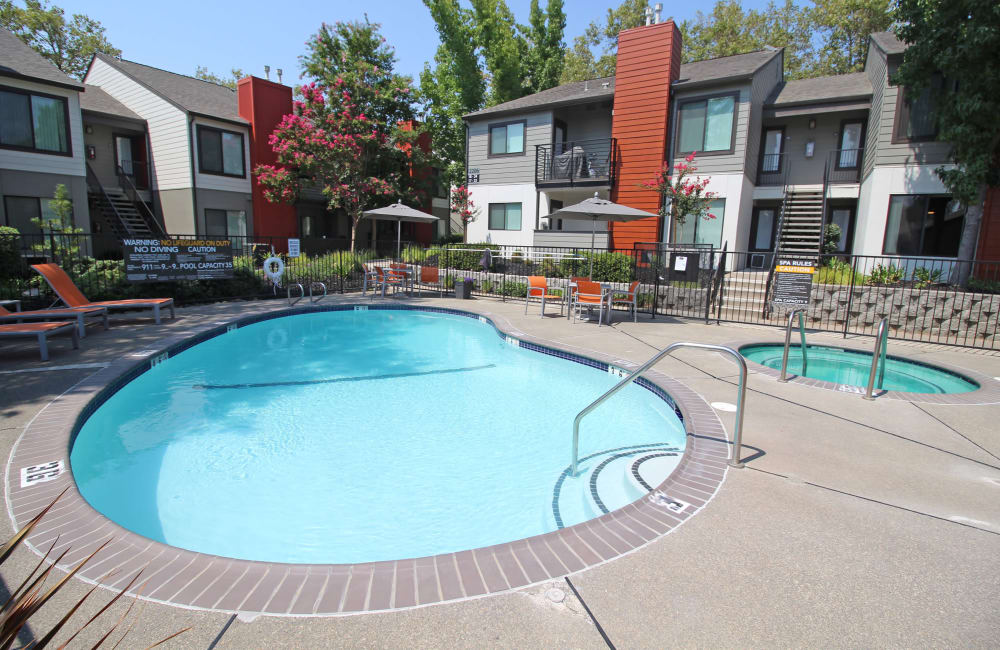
x: 844, y: 166
x: 580, y: 163
x: 773, y: 169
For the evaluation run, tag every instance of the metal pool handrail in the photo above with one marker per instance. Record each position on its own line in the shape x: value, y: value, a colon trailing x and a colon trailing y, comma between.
x: 313, y: 284
x: 788, y: 340
x: 302, y: 293
x: 878, y: 357
x: 734, y: 459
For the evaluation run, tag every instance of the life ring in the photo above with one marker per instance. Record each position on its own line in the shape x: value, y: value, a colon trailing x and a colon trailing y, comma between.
x: 275, y: 275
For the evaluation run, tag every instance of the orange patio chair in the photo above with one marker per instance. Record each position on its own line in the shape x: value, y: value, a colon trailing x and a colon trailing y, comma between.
x: 538, y: 288
x: 73, y: 297
x: 41, y: 331
x: 394, y: 278
x: 73, y: 313
x: 430, y: 276
x: 630, y: 298
x: 589, y: 295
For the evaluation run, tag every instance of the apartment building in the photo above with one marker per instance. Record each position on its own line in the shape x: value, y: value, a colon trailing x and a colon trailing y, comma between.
x: 784, y: 157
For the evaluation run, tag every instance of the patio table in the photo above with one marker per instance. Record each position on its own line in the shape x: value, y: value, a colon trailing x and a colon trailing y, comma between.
x: 16, y: 303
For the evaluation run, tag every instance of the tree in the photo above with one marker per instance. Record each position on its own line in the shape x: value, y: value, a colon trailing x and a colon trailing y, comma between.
x: 684, y: 193
x: 201, y: 72
x: 580, y: 63
x: 352, y: 134
x: 951, y: 52
x: 843, y: 27
x: 69, y: 45
x: 545, y: 45
x: 518, y: 60
x: 464, y: 207
x: 730, y: 30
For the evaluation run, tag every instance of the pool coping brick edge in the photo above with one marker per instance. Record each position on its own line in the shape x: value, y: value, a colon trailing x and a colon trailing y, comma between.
x: 193, y: 580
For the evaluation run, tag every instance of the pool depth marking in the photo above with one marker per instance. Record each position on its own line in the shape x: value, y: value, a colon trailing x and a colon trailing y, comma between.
x: 335, y: 380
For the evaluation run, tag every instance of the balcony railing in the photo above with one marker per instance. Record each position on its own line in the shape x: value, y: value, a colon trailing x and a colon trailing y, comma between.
x: 580, y: 163
x: 773, y: 169
x: 845, y: 166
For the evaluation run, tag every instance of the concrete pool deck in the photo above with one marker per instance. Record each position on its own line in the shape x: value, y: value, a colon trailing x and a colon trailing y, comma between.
x: 854, y: 523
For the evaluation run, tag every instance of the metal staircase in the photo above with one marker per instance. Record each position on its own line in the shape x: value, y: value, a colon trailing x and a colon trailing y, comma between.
x: 801, y: 223
x: 120, y: 213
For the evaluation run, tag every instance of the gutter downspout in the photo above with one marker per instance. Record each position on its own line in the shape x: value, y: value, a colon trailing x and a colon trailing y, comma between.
x: 194, y: 175
x: 667, y: 227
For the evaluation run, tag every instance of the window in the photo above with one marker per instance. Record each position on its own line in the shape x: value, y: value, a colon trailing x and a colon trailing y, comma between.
x: 225, y: 223
x: 20, y: 210
x: 703, y: 230
x: 220, y: 152
x: 505, y: 216
x: 34, y: 122
x: 706, y: 125
x: 773, y: 147
x: 851, y: 134
x: 915, y: 116
x: 919, y: 224
x: 507, y: 139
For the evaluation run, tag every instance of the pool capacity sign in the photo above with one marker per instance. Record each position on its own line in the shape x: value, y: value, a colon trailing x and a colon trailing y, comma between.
x: 793, y: 282
x: 166, y: 260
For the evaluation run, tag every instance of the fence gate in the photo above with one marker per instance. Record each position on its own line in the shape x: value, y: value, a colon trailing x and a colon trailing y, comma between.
x: 675, y: 279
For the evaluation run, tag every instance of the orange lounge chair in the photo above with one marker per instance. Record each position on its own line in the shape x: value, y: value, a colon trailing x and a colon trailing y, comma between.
x: 538, y: 287
x: 73, y: 313
x: 42, y: 331
x: 431, y: 277
x: 73, y: 297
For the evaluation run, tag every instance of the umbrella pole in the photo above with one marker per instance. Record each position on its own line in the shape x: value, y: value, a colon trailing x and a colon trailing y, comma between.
x: 399, y: 235
x: 593, y: 236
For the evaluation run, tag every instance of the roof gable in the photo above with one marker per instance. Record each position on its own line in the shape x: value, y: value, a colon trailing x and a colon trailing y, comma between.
x: 189, y: 94
x: 19, y: 61
x: 888, y: 43
x: 854, y: 85
x: 96, y: 100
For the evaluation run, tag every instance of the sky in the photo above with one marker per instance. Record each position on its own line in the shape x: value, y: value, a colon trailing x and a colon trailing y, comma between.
x: 180, y: 35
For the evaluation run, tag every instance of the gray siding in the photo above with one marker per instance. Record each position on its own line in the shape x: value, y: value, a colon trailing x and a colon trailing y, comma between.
x: 719, y: 164
x: 589, y: 122
x: 889, y: 153
x: 875, y: 68
x: 570, y: 238
x: 764, y: 81
x: 508, y: 169
x: 43, y: 162
x: 168, y: 125
x: 825, y: 135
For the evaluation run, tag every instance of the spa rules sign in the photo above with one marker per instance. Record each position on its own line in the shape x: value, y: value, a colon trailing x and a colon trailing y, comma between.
x: 166, y: 260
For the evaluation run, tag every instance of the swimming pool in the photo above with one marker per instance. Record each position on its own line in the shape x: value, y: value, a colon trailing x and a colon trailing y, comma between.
x: 852, y: 367
x: 356, y: 436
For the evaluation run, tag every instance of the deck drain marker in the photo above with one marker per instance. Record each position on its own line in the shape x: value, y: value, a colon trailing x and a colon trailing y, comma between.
x: 670, y: 503
x: 337, y: 380
x: 231, y: 327
x: 35, y: 474
x: 724, y: 406
x: 158, y: 359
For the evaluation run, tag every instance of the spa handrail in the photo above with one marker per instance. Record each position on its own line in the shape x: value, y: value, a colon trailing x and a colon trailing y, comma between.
x: 878, y: 357
x: 788, y: 340
x: 314, y: 284
x: 734, y: 459
x: 302, y: 293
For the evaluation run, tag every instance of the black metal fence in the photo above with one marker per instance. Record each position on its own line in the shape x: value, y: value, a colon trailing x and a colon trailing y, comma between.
x: 925, y: 299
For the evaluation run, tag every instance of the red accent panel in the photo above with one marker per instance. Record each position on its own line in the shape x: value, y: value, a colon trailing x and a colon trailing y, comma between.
x: 649, y: 60
x: 989, y: 229
x: 263, y: 103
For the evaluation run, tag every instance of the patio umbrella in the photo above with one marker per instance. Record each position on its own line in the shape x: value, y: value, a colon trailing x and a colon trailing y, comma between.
x: 399, y: 213
x: 597, y: 209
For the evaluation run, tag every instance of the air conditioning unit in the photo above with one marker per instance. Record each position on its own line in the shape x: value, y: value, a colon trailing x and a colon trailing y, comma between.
x: 757, y: 260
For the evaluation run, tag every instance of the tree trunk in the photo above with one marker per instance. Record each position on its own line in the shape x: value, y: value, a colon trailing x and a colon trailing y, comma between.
x: 354, y: 233
x: 970, y: 239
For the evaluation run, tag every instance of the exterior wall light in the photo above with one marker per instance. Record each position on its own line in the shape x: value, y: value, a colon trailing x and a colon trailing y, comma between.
x: 810, y: 148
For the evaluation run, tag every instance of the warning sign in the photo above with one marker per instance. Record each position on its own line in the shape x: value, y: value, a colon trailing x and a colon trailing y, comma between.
x: 793, y: 282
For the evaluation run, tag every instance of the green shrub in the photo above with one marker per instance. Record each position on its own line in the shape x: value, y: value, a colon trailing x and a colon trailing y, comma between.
x: 984, y: 286
x: 10, y: 253
x: 608, y: 267
x: 512, y: 288
x: 926, y: 277
x: 413, y: 254
x: 456, y: 259
x: 883, y: 275
x: 836, y: 271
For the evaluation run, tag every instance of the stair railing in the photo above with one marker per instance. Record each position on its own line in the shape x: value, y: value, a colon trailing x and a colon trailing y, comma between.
x: 777, y: 247
x: 133, y: 194
x: 822, y: 214
x: 734, y: 458
x: 92, y: 179
x: 788, y: 340
x: 878, y: 358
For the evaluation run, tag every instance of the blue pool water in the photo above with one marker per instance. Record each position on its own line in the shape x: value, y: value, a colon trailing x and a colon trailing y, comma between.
x: 357, y: 436
x: 849, y: 367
